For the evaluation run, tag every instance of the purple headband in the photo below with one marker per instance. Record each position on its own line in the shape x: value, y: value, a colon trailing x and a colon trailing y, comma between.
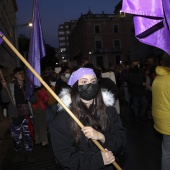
x: 76, y: 75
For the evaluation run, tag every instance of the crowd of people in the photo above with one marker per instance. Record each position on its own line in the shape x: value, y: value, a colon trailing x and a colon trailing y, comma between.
x: 91, y: 97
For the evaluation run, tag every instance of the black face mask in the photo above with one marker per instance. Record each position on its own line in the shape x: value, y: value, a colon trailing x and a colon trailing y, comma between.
x: 88, y: 91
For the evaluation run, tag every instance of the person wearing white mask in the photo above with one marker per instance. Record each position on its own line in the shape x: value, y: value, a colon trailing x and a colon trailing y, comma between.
x: 62, y: 81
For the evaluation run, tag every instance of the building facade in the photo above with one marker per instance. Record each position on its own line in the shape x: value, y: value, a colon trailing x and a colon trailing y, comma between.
x: 64, y: 32
x: 8, y: 60
x: 103, y: 38
x: 138, y: 50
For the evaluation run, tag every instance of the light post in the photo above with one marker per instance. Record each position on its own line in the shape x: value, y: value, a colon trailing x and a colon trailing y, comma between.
x: 90, y: 56
x: 27, y: 24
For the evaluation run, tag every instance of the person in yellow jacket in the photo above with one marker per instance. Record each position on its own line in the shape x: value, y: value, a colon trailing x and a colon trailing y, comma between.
x: 161, y: 107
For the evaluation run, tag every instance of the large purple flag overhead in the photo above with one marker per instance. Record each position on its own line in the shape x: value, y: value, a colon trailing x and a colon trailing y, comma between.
x: 36, y: 51
x: 1, y: 34
x: 151, y: 21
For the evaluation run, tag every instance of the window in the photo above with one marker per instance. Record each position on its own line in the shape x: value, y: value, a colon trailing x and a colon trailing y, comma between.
x: 63, y: 55
x: 117, y: 46
x: 99, y: 60
x: 115, y: 28
x: 61, y: 38
x: 61, y: 33
x: 98, y: 44
x: 118, y: 58
x: 97, y: 29
x: 62, y: 49
x: 62, y: 44
x: 117, y: 43
x: 67, y: 32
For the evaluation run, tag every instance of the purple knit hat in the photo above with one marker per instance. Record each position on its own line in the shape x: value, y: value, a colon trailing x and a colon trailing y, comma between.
x: 76, y: 75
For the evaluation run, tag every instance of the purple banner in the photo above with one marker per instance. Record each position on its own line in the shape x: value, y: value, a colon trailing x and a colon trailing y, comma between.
x: 1, y: 40
x: 36, y: 52
x: 151, y: 21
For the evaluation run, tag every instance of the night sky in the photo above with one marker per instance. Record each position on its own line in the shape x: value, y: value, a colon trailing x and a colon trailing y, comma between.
x: 56, y: 12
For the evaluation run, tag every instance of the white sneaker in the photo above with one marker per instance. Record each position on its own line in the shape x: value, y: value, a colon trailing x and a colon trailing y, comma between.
x: 44, y: 143
x: 5, y: 112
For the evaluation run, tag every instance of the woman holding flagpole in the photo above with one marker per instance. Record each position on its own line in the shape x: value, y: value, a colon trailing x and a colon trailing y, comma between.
x: 94, y: 107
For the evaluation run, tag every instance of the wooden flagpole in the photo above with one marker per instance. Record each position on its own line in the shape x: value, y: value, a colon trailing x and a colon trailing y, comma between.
x: 53, y: 94
x: 6, y: 87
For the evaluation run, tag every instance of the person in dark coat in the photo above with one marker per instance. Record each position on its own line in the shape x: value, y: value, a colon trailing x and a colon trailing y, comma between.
x: 137, y: 90
x: 94, y: 107
x: 62, y: 80
x: 107, y: 83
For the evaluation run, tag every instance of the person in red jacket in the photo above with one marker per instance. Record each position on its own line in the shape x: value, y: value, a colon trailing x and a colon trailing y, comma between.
x: 40, y: 128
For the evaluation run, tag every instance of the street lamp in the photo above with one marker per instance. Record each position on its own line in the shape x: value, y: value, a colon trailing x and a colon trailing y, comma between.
x: 90, y: 56
x: 30, y: 24
x: 27, y: 24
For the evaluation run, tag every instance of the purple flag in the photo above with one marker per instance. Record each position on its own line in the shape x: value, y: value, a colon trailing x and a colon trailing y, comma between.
x: 1, y: 35
x: 151, y: 21
x: 36, y: 52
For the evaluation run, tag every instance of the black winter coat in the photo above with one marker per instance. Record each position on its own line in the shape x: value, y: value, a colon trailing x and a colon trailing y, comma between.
x: 86, y: 156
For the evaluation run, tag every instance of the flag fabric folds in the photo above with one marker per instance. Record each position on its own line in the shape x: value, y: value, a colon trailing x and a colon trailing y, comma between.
x: 151, y: 21
x: 1, y: 37
x: 36, y: 52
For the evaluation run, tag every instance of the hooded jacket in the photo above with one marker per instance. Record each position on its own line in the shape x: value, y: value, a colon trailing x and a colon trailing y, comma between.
x: 85, y: 156
x: 161, y: 100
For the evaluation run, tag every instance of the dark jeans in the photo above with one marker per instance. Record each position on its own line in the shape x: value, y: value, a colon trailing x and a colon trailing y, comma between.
x: 139, y: 104
x: 166, y: 152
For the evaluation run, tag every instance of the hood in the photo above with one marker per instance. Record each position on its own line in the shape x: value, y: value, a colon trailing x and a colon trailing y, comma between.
x: 160, y: 71
x: 65, y: 97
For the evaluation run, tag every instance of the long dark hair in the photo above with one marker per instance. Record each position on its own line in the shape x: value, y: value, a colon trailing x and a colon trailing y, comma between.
x: 94, y: 116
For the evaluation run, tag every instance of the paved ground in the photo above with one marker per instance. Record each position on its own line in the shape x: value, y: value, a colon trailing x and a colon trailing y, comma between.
x: 5, y: 139
x: 143, y: 150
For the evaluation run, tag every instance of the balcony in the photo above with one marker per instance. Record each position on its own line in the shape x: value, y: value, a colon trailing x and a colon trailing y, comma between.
x: 115, y: 50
